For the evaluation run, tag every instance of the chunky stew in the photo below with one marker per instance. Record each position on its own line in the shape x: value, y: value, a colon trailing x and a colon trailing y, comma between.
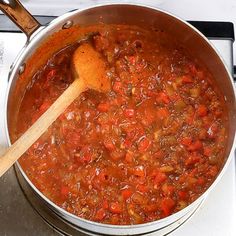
x: 139, y: 153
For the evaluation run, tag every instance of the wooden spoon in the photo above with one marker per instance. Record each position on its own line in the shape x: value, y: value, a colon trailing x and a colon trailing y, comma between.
x: 89, y: 71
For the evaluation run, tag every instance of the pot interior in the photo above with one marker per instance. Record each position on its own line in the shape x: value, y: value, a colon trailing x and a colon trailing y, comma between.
x: 56, y: 36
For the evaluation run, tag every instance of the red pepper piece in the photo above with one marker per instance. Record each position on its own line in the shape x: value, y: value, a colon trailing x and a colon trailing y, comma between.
x: 100, y: 214
x: 103, y: 107
x: 44, y: 106
x: 117, y: 86
x: 207, y: 151
x: 195, y: 146
x: 186, y: 141
x: 64, y: 191
x: 193, y: 159
x: 159, y: 178
x: 162, y: 113
x: 144, y: 144
x: 105, y: 204
x: 129, y: 156
x: 158, y: 154
x: 202, y: 110
x: 162, y: 98
x: 201, y: 181
x: 109, y: 145
x: 213, y: 170
x: 129, y: 112
x: 183, y: 195
x: 187, y: 79
x: 167, y: 206
x: 139, y: 171
x: 126, y: 193
x: 85, y: 155
x: 168, y: 190
x: 151, y: 207
x: 116, y: 207
x: 142, y: 188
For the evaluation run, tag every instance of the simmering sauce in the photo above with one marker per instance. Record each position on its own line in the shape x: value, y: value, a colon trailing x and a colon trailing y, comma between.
x: 142, y: 151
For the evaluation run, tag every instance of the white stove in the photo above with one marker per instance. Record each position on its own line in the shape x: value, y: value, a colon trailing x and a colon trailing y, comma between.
x: 216, y: 216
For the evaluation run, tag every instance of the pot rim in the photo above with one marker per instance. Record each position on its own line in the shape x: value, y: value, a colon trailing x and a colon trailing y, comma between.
x: 16, y: 64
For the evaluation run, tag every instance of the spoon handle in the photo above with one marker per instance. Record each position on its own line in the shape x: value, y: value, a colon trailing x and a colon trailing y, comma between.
x: 41, y: 125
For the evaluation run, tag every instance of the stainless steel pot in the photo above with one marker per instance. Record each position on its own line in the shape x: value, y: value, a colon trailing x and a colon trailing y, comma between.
x: 41, y: 43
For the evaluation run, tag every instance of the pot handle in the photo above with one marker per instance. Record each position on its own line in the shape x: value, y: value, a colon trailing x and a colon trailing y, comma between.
x: 20, y: 16
x: 234, y: 74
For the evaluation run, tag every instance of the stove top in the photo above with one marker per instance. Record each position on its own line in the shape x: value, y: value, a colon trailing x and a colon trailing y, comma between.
x: 216, y: 216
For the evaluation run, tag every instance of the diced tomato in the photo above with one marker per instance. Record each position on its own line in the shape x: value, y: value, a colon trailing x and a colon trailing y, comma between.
x: 103, y: 107
x: 202, y: 134
x: 140, y: 66
x: 116, y: 207
x: 189, y: 119
x: 131, y: 59
x: 142, y: 188
x: 192, y: 159
x: 84, y: 156
x: 105, y: 204
x: 213, y: 170
x: 126, y: 193
x: 207, y: 151
x: 151, y: 207
x: 158, y: 154
x: 144, y: 144
x: 127, y: 142
x: 64, y: 191
x: 201, y: 181
x: 44, y: 106
x: 129, y: 112
x: 73, y: 137
x: 103, y: 176
x: 139, y: 171
x: 167, y: 206
x: 100, y: 214
x: 168, y: 190
x: 195, y: 146
x: 186, y: 79
x: 151, y: 93
x: 183, y: 195
x: 148, y: 119
x: 129, y: 156
x: 202, y: 110
x: 162, y: 113
x: 117, y: 86
x: 109, y: 144
x: 159, y: 177
x: 162, y: 97
x: 186, y: 141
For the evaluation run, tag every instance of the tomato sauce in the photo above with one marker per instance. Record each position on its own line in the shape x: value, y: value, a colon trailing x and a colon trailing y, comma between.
x: 142, y: 151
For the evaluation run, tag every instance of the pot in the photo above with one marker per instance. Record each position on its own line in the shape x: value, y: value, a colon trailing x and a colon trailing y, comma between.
x: 42, y: 42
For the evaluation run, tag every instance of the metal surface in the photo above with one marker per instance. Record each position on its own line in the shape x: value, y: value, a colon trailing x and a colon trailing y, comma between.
x: 15, y: 11
x: 194, y: 41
